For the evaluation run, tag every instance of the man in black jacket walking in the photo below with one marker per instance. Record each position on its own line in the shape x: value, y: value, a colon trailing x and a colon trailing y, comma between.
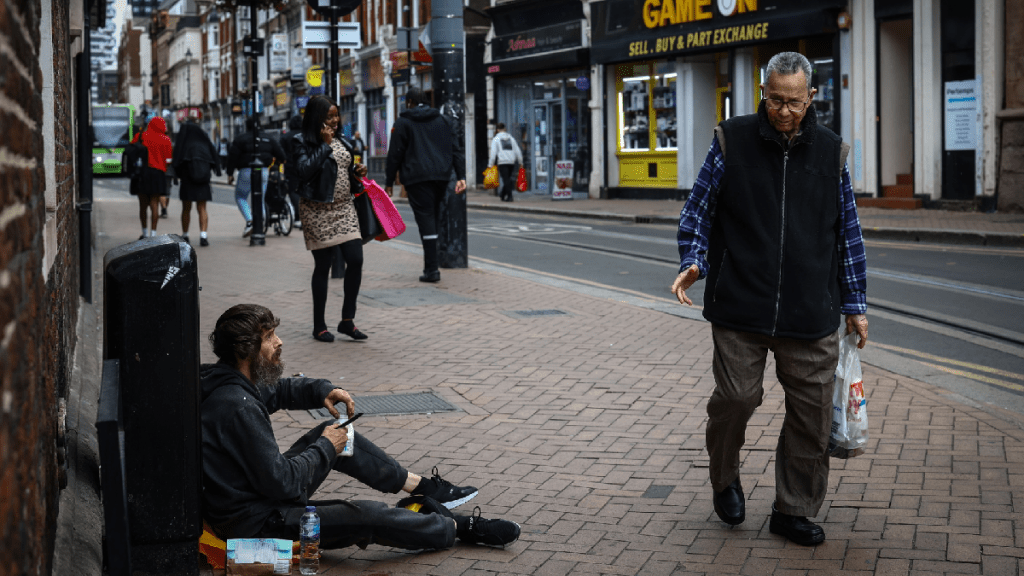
x: 425, y: 149
x: 251, y: 489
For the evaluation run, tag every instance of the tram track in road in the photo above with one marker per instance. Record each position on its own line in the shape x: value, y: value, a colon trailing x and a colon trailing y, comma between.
x: 978, y: 333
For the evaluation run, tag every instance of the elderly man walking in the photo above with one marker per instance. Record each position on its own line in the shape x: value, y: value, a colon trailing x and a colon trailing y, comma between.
x: 772, y: 225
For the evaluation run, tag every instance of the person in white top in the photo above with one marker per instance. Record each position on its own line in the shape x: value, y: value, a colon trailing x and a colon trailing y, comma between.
x: 506, y: 154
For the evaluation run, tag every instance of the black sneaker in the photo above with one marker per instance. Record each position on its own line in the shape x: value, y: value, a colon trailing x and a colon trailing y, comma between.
x: 488, y: 532
x: 203, y: 241
x: 163, y: 212
x: 449, y: 494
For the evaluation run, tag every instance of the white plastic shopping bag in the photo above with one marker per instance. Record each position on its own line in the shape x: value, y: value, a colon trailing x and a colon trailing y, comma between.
x: 849, y: 407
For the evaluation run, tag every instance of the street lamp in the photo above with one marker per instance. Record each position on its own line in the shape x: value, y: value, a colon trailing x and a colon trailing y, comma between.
x: 188, y: 69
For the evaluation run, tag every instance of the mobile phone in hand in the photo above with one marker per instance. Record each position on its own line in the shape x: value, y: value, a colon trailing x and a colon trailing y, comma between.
x: 350, y: 420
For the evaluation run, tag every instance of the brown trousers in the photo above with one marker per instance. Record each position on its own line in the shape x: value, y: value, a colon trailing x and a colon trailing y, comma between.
x: 806, y: 369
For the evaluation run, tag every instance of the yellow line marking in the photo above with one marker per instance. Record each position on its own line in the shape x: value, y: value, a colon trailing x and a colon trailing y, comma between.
x: 942, y: 248
x: 972, y: 376
x: 976, y: 367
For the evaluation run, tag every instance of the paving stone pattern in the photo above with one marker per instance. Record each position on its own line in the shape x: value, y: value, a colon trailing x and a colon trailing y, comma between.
x: 588, y: 429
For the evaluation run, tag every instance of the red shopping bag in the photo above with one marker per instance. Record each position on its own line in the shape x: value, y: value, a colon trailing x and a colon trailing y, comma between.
x: 390, y: 220
x: 521, y: 184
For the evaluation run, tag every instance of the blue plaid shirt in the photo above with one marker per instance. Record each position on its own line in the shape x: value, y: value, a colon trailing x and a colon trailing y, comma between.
x: 699, y: 211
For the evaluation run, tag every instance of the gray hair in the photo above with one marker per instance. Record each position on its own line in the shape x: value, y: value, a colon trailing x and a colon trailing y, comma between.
x: 787, y: 63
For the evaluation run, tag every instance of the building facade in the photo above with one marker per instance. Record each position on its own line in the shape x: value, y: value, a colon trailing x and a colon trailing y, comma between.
x: 916, y: 87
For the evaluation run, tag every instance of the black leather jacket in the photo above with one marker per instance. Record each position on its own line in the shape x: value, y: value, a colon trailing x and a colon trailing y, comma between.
x: 314, y: 167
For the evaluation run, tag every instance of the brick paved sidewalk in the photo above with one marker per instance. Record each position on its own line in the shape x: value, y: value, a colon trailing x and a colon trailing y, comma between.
x: 587, y: 428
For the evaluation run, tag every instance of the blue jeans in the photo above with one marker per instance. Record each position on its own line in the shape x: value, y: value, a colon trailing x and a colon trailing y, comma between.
x: 243, y: 187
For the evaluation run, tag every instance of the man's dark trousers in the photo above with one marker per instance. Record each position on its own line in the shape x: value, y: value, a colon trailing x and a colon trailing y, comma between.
x: 506, y: 171
x: 360, y: 522
x: 425, y: 200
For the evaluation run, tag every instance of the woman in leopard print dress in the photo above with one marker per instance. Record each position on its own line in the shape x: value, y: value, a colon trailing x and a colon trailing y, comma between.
x: 329, y: 220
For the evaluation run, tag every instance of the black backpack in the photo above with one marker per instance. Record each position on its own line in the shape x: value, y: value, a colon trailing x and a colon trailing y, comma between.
x: 134, y: 160
x: 198, y: 171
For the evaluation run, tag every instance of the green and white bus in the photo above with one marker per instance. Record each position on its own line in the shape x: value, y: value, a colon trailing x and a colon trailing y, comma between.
x: 113, y: 127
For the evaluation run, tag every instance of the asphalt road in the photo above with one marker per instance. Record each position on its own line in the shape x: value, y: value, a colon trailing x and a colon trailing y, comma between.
x: 946, y: 314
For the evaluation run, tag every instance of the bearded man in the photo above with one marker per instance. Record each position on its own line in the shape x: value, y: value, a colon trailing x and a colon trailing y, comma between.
x: 251, y: 489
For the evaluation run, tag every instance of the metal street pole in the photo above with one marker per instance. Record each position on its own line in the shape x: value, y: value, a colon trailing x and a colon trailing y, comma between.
x: 256, y: 180
x: 446, y: 39
x: 338, y: 266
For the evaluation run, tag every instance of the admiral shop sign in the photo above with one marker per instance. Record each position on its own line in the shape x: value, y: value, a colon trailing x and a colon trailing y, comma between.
x: 566, y: 35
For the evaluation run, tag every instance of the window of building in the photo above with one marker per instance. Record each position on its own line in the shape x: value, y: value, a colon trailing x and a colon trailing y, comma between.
x: 646, y: 106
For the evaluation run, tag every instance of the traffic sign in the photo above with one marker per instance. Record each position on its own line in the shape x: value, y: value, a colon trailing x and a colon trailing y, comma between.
x: 334, y: 7
x: 317, y: 35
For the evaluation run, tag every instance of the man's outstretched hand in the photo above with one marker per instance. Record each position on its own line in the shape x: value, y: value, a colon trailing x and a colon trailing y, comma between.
x: 683, y: 282
x: 339, y: 395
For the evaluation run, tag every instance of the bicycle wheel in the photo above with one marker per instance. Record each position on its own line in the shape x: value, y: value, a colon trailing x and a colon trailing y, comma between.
x: 285, y: 219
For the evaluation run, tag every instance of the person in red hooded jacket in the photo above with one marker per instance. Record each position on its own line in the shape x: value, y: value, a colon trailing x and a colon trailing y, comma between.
x: 153, y: 185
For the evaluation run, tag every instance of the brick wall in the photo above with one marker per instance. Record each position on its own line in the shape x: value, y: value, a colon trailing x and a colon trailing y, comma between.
x: 37, y: 316
x: 1011, y: 161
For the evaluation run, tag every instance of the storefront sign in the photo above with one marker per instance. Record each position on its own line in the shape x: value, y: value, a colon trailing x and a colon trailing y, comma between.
x: 315, y: 76
x: 538, y: 41
x: 666, y: 12
x: 281, y: 94
x: 644, y: 29
x: 193, y: 113
x: 562, y: 189
x: 961, y: 106
x: 704, y: 39
x: 279, y: 53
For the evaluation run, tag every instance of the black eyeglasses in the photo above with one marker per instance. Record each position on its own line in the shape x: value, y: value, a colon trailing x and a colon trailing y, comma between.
x: 793, y: 106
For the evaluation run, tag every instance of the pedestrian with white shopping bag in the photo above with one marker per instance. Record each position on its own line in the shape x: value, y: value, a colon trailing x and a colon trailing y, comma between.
x: 773, y: 227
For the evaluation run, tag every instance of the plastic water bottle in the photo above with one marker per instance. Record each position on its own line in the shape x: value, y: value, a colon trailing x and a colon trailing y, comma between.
x: 309, y: 542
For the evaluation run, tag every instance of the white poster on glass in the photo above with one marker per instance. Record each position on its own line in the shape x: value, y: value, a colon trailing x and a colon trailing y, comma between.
x: 961, y: 114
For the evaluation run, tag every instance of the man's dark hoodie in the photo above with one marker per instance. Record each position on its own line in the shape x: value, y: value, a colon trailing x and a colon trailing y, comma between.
x: 246, y: 477
x: 424, y: 148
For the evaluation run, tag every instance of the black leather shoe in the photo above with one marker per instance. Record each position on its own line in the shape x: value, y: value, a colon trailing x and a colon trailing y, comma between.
x: 434, y: 276
x: 797, y: 529
x: 729, y: 504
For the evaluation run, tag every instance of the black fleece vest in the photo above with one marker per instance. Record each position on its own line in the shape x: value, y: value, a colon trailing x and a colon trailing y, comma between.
x: 773, y: 248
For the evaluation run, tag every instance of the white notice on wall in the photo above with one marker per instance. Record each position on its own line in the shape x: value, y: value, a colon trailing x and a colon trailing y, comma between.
x: 961, y: 118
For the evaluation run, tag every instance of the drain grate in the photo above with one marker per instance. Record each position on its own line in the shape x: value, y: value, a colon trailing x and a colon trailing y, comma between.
x: 537, y: 312
x: 658, y: 491
x: 395, y: 404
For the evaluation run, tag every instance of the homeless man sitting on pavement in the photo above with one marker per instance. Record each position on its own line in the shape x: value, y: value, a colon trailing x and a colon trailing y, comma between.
x: 251, y: 489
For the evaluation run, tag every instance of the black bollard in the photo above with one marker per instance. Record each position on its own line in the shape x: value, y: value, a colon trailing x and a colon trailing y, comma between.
x: 151, y: 326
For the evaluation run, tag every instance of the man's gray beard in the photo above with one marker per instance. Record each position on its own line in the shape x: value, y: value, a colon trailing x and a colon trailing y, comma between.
x: 266, y: 372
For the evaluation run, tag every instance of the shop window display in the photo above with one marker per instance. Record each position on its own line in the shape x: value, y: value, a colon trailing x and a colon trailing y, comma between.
x: 647, y: 106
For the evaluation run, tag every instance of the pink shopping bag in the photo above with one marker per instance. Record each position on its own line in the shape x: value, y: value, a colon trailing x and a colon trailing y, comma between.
x: 390, y: 220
